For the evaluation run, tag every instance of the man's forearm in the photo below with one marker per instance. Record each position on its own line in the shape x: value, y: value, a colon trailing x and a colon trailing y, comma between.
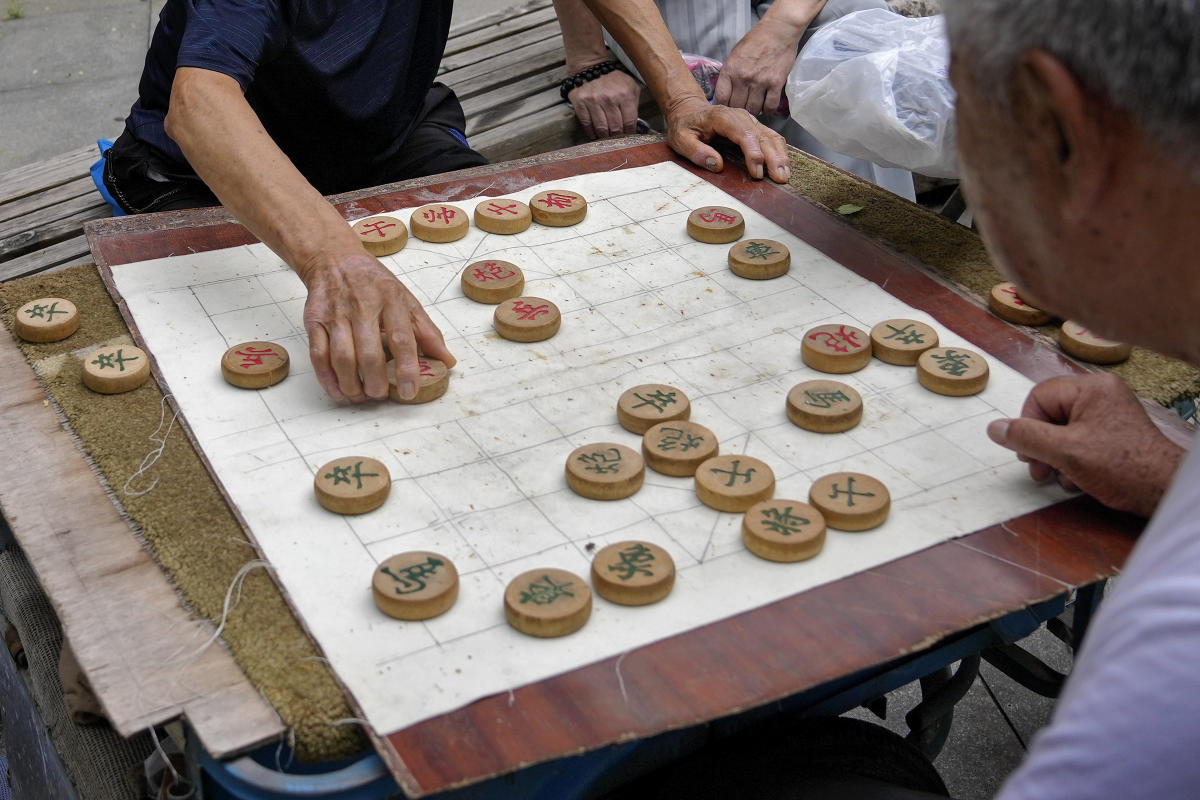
x: 226, y: 144
x: 794, y: 15
x: 639, y: 28
x: 583, y: 35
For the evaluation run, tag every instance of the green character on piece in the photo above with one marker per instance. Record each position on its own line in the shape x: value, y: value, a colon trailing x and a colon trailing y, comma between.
x: 607, y: 462
x: 784, y: 522
x: 545, y: 592
x: 825, y: 399
x: 904, y: 335
x: 954, y: 362
x: 44, y: 312
x: 759, y: 250
x: 115, y: 360
x: 412, y: 579
x: 735, y: 472
x: 633, y: 562
x: 677, y: 438
x: 344, y: 474
x: 656, y: 400
x: 849, y: 492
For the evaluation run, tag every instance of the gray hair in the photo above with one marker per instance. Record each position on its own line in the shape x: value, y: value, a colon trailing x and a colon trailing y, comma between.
x: 1143, y: 56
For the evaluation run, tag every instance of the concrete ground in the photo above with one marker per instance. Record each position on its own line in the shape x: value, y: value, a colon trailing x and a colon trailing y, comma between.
x: 68, y: 75
x: 69, y: 71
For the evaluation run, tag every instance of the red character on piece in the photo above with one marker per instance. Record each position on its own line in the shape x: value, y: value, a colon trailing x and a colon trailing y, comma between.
x: 528, y: 310
x: 497, y: 209
x: 1017, y: 301
x: 426, y: 369
x: 492, y: 273
x: 556, y: 200
x: 440, y: 214
x: 713, y: 215
x: 377, y: 226
x: 253, y: 357
x: 838, y: 341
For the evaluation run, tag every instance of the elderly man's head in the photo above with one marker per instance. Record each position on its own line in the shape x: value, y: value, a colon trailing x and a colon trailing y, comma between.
x: 1079, y: 137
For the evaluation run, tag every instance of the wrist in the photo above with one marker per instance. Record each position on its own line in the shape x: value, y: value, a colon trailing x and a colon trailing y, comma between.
x: 683, y: 102
x: 339, y: 255
x: 574, y: 81
x: 787, y: 22
x: 577, y: 62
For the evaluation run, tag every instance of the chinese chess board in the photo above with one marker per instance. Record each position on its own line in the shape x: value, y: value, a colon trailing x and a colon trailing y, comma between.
x: 478, y: 473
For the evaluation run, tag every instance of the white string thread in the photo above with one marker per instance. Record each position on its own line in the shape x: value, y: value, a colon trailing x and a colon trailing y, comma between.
x: 237, y: 582
x: 152, y: 457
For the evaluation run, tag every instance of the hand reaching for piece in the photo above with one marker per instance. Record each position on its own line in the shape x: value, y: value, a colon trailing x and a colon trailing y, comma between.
x: 1092, y: 433
x: 352, y: 300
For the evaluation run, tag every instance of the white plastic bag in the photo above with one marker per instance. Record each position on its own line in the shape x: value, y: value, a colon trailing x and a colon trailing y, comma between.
x: 875, y: 85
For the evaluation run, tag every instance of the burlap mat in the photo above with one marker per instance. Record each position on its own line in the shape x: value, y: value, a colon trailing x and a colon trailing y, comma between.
x: 184, y: 519
x: 193, y: 534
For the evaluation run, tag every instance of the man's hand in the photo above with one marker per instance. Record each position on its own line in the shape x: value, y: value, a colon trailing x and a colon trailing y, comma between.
x: 691, y: 124
x: 355, y: 308
x: 1092, y: 433
x: 352, y: 298
x: 756, y: 72
x: 608, y: 105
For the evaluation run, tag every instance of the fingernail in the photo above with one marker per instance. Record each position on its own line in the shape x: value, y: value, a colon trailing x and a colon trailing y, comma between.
x: 711, y: 163
x: 787, y: 173
x: 997, y: 431
x: 408, y: 390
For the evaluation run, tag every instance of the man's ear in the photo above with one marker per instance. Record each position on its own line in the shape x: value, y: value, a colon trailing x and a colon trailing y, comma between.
x: 1070, y: 133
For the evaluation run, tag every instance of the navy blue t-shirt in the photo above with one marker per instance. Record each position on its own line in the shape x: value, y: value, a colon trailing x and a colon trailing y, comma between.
x: 336, y: 83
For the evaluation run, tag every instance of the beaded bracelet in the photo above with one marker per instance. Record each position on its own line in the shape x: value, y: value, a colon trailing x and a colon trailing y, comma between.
x: 589, y: 74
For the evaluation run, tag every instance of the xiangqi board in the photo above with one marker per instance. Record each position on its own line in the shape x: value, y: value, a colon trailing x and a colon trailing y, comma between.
x: 477, y: 475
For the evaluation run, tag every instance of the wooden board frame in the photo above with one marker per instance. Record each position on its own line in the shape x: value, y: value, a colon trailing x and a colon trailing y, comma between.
x: 762, y: 655
x: 126, y: 624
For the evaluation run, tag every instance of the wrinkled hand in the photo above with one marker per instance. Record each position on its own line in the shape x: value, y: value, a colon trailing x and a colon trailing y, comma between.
x: 608, y: 105
x: 692, y: 123
x: 351, y: 300
x: 1091, y: 433
x: 756, y: 72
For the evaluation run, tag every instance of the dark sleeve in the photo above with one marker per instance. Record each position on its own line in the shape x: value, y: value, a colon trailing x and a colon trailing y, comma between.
x: 232, y: 37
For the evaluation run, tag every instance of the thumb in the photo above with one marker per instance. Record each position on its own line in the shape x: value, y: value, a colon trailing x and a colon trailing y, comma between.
x: 699, y: 153
x: 1041, y: 443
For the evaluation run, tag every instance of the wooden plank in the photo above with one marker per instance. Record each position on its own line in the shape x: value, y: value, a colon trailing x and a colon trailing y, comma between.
x: 80, y: 187
x: 461, y: 51
x: 71, y: 251
x: 48, y: 216
x: 480, y: 106
x: 42, y: 236
x: 518, y: 113
x: 542, y: 131
x: 122, y: 616
x: 33, y: 178
x: 529, y: 59
x: 487, y: 20
x: 503, y: 61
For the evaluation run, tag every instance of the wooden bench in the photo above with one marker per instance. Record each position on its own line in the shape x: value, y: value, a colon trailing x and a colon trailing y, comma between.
x: 505, y: 67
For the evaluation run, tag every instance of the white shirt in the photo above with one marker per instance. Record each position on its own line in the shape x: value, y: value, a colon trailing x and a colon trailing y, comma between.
x: 1128, y: 722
